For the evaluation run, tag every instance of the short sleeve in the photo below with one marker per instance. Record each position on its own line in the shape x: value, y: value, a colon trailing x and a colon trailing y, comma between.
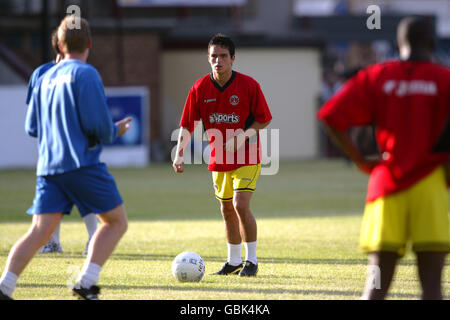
x: 191, y: 112
x: 31, y: 126
x: 352, y: 105
x: 259, y: 107
x: 31, y: 85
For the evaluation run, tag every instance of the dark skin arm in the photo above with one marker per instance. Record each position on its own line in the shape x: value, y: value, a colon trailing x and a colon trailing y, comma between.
x: 447, y: 172
x: 346, y: 145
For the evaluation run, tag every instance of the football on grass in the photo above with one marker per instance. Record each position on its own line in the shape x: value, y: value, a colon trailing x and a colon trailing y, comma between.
x: 188, y: 267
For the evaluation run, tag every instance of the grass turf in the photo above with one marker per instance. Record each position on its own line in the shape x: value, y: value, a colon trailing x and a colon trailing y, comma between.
x: 308, y: 217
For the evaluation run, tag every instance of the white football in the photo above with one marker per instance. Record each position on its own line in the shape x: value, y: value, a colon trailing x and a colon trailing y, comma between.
x: 188, y: 267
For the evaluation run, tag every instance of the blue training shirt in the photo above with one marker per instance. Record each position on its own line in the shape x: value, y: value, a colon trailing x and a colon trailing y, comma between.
x: 35, y: 76
x: 66, y: 111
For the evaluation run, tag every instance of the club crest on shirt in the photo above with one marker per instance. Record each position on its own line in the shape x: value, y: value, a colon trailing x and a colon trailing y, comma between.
x: 234, y: 100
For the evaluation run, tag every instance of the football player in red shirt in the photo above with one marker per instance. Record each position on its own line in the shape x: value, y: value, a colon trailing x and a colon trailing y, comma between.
x: 407, y: 201
x: 233, y: 109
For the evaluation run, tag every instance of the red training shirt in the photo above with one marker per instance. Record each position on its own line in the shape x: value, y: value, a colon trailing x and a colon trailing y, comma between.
x: 409, y: 103
x: 236, y: 105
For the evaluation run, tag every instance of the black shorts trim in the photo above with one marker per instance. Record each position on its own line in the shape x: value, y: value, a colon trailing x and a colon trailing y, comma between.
x: 385, y: 246
x: 244, y: 189
x: 431, y: 247
x: 223, y: 199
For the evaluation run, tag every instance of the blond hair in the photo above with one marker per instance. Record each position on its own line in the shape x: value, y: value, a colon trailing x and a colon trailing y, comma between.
x: 55, y: 42
x: 74, y: 34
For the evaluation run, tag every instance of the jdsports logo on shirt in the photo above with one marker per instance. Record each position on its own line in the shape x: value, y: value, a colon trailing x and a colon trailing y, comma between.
x: 223, y: 118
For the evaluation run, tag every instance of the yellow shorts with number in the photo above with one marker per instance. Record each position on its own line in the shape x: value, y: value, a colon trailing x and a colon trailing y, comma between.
x: 241, y: 179
x: 418, y: 214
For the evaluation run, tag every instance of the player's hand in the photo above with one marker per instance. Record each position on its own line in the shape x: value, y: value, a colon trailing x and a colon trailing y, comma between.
x: 178, y: 164
x: 234, y: 144
x: 367, y: 165
x: 124, y: 125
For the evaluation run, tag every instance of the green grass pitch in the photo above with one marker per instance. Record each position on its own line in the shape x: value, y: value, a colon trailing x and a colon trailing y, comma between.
x: 308, y: 216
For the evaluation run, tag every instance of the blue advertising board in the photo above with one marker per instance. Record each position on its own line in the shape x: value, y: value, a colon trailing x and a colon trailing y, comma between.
x: 133, y: 147
x: 129, y: 102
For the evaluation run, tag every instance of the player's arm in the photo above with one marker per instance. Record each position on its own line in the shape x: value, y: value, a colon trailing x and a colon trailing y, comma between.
x: 262, y: 116
x: 189, y: 120
x: 346, y: 145
x: 183, y: 138
x: 95, y: 117
x: 447, y: 173
x: 351, y: 106
x: 31, y: 85
x: 255, y: 127
x: 31, y: 120
x: 236, y: 142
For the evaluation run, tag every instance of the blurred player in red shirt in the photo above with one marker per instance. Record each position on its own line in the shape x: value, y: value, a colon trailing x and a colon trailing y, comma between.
x: 233, y: 109
x: 407, y: 201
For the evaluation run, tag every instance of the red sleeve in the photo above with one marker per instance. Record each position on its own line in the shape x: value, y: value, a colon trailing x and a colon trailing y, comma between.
x: 259, y: 106
x: 191, y: 112
x: 352, y: 105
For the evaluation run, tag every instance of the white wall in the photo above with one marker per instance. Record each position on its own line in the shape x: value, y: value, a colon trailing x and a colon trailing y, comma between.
x: 289, y: 78
x: 17, y: 149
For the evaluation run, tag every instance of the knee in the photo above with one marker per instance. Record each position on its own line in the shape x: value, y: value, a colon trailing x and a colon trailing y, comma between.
x: 227, y: 210
x: 241, y: 207
x: 120, y: 226
x: 116, y: 219
x: 123, y: 226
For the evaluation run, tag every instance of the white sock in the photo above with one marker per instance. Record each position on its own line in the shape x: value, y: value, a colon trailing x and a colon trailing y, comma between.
x: 55, y: 235
x: 234, y: 254
x: 89, y: 275
x: 250, y: 252
x: 8, y: 283
x: 91, y: 223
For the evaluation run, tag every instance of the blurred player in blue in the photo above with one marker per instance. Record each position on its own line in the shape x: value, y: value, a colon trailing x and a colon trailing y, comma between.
x: 54, y: 244
x: 69, y: 116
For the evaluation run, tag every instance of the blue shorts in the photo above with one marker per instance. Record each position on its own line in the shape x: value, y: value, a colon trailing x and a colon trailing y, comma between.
x: 92, y: 189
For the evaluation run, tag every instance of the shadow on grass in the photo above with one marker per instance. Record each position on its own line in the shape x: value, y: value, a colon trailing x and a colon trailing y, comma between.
x: 264, y: 291
x: 165, y: 257
x: 170, y: 257
x: 272, y: 260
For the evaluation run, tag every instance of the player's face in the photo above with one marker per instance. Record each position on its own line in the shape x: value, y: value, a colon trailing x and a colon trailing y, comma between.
x: 220, y: 60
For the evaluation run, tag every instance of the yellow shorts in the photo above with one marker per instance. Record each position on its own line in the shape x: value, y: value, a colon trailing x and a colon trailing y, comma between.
x: 418, y: 214
x: 241, y: 179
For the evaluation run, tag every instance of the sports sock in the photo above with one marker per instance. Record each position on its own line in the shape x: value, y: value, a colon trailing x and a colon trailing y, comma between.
x: 91, y: 223
x: 234, y: 254
x: 55, y: 235
x: 89, y: 275
x: 250, y: 252
x: 8, y: 283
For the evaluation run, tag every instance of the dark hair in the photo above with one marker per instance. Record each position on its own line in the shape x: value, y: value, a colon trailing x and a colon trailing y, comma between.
x: 223, y: 41
x: 417, y: 31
